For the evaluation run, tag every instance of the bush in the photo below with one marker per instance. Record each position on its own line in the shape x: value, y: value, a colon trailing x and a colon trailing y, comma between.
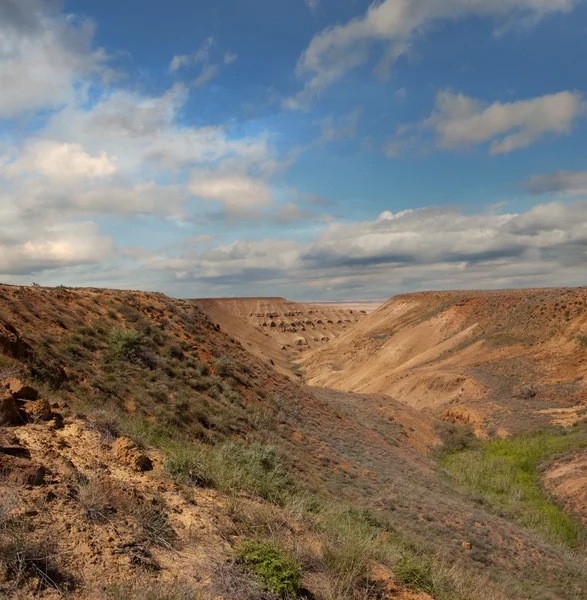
x: 455, y: 437
x: 274, y: 568
x: 125, y: 344
x: 415, y: 572
x: 223, y: 366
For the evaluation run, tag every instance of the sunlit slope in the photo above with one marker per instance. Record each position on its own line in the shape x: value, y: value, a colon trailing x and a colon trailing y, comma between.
x: 485, y: 351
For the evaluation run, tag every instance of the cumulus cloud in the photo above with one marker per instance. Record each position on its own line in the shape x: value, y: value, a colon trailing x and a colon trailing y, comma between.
x: 562, y: 183
x: 237, y: 192
x: 397, y: 24
x: 459, y: 121
x: 114, y: 152
x: 60, y: 161
x: 43, y: 57
x: 462, y: 121
x: 60, y: 245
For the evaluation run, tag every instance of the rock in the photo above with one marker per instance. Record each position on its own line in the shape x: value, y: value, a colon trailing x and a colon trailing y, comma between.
x: 128, y: 453
x: 20, y: 390
x: 39, y: 410
x: 9, y: 413
x: 467, y: 546
x: 21, y: 472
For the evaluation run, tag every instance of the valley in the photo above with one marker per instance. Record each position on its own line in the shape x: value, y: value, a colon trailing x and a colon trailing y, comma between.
x: 164, y: 445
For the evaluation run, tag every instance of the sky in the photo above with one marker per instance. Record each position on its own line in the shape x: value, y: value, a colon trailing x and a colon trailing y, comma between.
x: 312, y: 149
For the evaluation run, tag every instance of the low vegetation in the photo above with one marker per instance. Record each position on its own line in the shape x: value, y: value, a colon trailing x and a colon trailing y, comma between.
x: 278, y: 572
x: 505, y: 475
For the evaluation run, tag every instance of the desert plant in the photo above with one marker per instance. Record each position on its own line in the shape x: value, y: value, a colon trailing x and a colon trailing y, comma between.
x: 125, y: 344
x: 272, y: 566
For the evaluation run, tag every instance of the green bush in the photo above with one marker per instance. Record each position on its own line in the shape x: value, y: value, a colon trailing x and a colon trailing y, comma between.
x: 274, y: 568
x: 415, y: 572
x: 125, y: 344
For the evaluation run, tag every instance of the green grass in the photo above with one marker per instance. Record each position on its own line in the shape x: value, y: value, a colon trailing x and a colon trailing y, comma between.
x: 233, y: 466
x: 505, y: 473
x: 276, y: 571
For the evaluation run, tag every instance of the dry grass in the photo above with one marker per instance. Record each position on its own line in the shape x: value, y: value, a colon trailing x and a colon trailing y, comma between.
x: 26, y: 560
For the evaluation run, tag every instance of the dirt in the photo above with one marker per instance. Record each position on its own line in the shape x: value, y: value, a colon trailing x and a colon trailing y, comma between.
x: 566, y: 480
x: 476, y: 350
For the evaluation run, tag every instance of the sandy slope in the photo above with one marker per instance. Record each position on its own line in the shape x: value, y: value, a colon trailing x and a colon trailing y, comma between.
x: 479, y: 349
x: 278, y: 330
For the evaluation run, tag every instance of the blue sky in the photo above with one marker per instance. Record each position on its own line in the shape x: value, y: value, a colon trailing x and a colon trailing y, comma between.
x: 315, y: 149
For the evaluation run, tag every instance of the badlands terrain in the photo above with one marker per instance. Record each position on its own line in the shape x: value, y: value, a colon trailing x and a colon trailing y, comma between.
x: 155, y: 448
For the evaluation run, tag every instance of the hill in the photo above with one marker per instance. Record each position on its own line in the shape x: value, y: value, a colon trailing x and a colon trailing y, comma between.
x: 500, y: 360
x: 144, y: 453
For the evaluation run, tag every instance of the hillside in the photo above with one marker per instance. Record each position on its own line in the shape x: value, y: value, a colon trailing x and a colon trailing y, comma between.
x: 278, y: 330
x: 502, y: 360
x: 160, y: 459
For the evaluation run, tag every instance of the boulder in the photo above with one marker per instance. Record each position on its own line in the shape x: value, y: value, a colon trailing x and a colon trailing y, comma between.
x: 21, y: 471
x: 128, y: 453
x: 9, y: 413
x: 20, y: 390
x: 39, y: 410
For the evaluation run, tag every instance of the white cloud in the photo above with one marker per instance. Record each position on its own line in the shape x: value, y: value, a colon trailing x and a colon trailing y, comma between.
x: 208, y: 73
x: 199, y: 56
x: 43, y: 58
x: 562, y: 183
x: 397, y: 24
x: 229, y: 58
x: 462, y: 121
x: 459, y: 121
x: 59, y: 246
x: 60, y: 161
x: 428, y: 248
x: 114, y: 152
x: 237, y: 192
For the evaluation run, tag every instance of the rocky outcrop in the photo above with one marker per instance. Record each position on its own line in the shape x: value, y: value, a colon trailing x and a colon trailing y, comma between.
x: 9, y: 413
x: 128, y: 453
x: 20, y: 471
x: 20, y: 390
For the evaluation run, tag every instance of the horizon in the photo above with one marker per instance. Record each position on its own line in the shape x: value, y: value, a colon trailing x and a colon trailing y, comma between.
x: 316, y: 149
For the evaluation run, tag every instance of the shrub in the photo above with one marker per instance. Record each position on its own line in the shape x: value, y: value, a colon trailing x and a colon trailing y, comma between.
x: 152, y: 527
x: 223, y: 366
x: 455, y: 437
x: 272, y: 566
x: 125, y: 344
x: 415, y: 572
